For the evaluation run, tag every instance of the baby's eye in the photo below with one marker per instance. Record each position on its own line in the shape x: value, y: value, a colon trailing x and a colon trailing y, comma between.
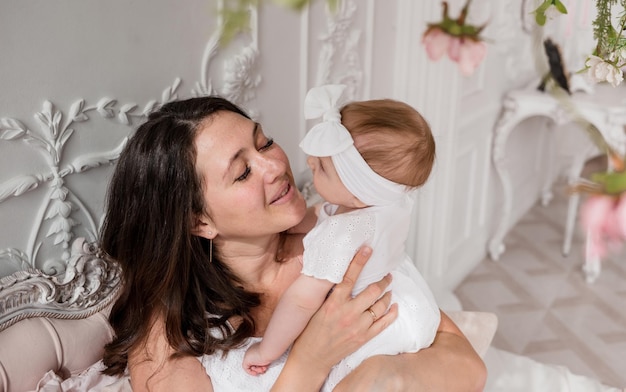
x: 245, y: 174
x: 267, y: 145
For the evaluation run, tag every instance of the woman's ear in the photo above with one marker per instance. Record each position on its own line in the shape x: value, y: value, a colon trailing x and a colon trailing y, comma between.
x: 204, y: 227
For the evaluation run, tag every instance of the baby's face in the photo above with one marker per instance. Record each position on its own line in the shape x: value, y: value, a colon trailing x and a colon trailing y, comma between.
x: 328, y: 183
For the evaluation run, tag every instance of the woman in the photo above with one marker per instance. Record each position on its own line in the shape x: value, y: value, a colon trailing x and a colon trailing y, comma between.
x: 197, y: 214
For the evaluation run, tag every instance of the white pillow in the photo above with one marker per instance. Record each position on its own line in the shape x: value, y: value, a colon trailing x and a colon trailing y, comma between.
x: 478, y: 327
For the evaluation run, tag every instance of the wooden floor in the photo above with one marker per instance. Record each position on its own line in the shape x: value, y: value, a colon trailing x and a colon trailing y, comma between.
x: 545, y: 308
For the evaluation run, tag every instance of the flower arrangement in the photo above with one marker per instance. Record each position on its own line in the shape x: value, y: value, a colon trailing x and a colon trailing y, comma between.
x: 603, y: 214
x: 609, y: 56
x: 460, y: 40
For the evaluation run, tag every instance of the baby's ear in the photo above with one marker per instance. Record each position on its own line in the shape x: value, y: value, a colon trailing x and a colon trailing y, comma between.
x: 204, y: 227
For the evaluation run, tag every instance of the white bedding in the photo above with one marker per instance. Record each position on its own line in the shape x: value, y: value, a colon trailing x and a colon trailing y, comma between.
x: 509, y: 372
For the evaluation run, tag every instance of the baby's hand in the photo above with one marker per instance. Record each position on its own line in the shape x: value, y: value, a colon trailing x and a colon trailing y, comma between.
x: 253, y: 364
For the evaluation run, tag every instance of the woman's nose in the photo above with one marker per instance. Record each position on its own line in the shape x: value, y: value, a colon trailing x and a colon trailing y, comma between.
x: 272, y: 167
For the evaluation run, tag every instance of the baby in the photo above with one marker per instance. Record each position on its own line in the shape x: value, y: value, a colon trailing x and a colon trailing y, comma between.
x: 366, y: 159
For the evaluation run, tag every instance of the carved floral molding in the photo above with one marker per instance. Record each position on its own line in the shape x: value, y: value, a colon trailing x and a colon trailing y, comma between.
x: 239, y: 79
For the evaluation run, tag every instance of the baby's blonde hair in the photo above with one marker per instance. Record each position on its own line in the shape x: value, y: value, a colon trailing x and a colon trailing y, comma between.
x: 393, y: 138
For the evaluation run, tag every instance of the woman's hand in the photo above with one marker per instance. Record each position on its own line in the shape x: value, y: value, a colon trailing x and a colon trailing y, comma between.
x: 449, y: 364
x: 341, y: 326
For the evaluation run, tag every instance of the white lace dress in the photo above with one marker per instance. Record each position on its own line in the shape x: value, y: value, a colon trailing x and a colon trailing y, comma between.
x: 328, y: 250
x: 227, y: 373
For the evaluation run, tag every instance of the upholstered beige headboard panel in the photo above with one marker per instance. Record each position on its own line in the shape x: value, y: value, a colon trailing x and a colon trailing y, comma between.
x: 56, y: 323
x: 34, y: 346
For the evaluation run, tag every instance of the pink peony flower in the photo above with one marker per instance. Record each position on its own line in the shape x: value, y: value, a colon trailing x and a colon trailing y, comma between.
x: 604, y: 219
x: 471, y: 55
x: 454, y: 51
x: 620, y: 216
x: 459, y: 39
x: 436, y: 42
x: 596, y: 214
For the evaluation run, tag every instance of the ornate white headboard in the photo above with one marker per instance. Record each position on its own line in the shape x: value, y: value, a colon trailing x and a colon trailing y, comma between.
x: 88, y: 285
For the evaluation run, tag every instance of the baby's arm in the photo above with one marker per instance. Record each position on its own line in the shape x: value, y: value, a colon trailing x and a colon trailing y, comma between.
x: 292, y: 314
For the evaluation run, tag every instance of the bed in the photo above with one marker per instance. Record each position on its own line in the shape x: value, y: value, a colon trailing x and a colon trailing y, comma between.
x: 53, y: 329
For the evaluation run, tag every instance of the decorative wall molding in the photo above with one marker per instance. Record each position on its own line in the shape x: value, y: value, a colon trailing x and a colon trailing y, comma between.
x: 240, y: 76
x: 60, y: 202
x: 339, y: 59
x: 508, y: 30
x: 61, y: 205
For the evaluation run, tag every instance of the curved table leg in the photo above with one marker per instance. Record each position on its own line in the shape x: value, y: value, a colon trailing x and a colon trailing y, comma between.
x: 592, y: 266
x: 546, y: 190
x: 508, y: 120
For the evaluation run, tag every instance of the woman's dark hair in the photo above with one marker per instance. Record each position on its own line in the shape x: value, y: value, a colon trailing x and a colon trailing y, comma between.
x: 153, y: 201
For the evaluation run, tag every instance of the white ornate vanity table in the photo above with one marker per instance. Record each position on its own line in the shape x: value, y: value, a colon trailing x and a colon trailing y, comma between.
x: 605, y: 108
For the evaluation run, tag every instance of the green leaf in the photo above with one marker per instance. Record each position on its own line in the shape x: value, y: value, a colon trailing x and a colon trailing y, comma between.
x: 298, y: 5
x: 560, y: 6
x: 544, y: 6
x: 332, y: 5
x: 235, y: 22
x: 612, y: 34
x: 540, y: 18
x: 455, y: 30
x: 614, y: 183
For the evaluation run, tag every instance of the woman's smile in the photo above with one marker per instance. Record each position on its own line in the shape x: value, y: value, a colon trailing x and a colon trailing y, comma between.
x: 284, y: 196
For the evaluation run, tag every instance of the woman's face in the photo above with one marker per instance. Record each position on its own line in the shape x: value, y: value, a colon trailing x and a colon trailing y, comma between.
x: 249, y: 189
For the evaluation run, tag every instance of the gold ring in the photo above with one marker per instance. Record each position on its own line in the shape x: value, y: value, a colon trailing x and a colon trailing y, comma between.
x: 372, y: 313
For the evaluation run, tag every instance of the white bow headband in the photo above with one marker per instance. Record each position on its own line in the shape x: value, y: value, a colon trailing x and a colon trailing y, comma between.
x: 331, y: 138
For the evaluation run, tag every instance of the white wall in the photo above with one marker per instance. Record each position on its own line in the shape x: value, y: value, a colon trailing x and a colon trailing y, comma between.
x: 136, y: 53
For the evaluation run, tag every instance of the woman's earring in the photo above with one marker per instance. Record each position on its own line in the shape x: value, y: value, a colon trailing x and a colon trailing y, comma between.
x: 210, y: 251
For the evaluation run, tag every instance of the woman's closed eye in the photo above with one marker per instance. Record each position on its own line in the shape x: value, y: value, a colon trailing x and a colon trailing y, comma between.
x: 246, y: 172
x: 267, y: 145
x: 244, y: 175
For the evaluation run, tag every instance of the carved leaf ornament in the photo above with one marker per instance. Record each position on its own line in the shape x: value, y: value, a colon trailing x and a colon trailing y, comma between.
x: 81, y: 282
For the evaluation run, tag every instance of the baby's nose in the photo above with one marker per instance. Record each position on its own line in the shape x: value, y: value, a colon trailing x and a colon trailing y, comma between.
x: 310, y: 161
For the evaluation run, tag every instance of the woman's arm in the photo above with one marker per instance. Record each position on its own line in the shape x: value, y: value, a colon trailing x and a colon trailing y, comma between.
x: 338, y: 328
x: 152, y: 369
x: 449, y: 364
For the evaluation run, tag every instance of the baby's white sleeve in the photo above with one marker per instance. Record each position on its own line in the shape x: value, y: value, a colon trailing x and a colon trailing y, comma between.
x: 331, y: 245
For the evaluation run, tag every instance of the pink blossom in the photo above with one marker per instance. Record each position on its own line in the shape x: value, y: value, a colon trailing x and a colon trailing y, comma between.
x: 603, y: 223
x: 467, y: 52
x: 436, y: 42
x: 620, y: 216
x: 454, y: 51
x: 471, y: 55
x: 595, y: 212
